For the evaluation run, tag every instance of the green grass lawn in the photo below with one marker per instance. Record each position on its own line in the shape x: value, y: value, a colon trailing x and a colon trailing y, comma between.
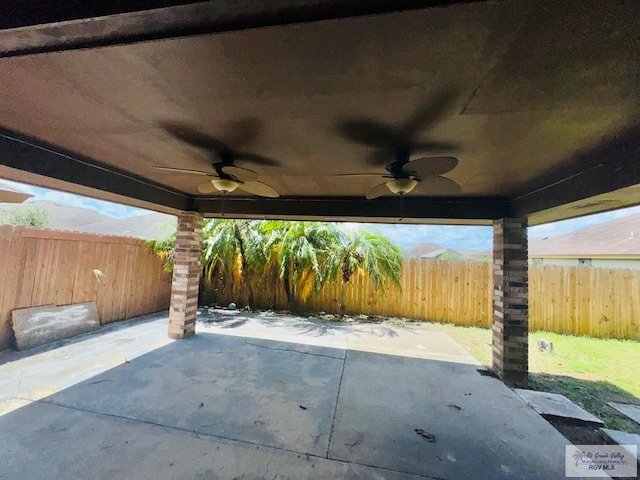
x: 589, y: 371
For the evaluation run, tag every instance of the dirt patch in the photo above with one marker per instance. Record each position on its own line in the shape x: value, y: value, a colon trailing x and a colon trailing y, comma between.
x: 579, y: 433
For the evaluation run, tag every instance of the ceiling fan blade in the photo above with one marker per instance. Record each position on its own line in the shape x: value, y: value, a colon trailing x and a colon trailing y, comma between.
x: 348, y: 175
x: 254, y: 158
x: 429, y: 113
x: 380, y: 157
x: 388, y: 155
x: 260, y: 189
x: 184, y: 170
x: 242, y: 174
x: 430, y: 166
x: 207, y: 188
x: 242, y: 131
x: 367, y: 132
x: 194, y: 138
x: 223, y: 152
x: 378, y: 191
x: 434, y: 186
x: 429, y: 146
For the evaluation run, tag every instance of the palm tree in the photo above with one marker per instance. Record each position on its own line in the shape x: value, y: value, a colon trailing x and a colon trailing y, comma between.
x: 370, y: 252
x: 235, y: 246
x: 305, y: 255
x: 164, y: 246
x: 303, y: 251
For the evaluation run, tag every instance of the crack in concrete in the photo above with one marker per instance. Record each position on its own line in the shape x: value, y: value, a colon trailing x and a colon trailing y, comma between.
x: 293, y: 350
x: 359, y: 437
x: 96, y: 382
x: 264, y: 475
x: 335, y: 410
x: 229, y: 439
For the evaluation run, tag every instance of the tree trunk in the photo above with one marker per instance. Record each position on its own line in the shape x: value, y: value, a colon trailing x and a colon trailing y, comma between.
x: 287, y: 292
x: 247, y: 283
x: 274, y: 298
x: 343, y: 296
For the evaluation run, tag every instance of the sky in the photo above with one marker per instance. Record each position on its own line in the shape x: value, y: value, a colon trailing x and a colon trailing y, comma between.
x: 454, y: 237
x: 481, y: 238
x: 114, y: 210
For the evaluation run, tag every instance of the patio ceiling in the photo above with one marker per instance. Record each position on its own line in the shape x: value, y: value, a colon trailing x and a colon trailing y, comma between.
x: 543, y: 103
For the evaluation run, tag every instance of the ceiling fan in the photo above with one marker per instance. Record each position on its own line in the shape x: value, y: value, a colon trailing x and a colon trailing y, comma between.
x: 226, y: 177
x: 399, y: 143
x: 422, y: 175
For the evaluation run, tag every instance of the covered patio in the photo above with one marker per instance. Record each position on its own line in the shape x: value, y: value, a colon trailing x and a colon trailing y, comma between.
x: 314, y: 399
x: 484, y: 113
x: 527, y: 112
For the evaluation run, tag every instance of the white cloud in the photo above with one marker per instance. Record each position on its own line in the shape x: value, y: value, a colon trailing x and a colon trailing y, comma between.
x: 110, y: 209
x: 481, y: 238
x: 565, y: 226
x: 448, y: 236
x: 21, y: 186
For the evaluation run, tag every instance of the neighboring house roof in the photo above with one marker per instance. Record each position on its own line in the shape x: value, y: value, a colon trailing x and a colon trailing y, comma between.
x: 617, y: 238
x: 149, y: 226
x: 460, y: 254
x: 433, y: 250
x: 60, y: 216
x: 12, y: 194
x: 422, y: 249
x: 468, y: 253
x: 434, y: 253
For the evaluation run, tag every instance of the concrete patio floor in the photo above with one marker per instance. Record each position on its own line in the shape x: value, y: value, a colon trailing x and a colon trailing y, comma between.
x: 259, y: 396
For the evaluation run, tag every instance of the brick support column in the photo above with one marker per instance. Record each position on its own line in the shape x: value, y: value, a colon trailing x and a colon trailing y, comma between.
x: 186, y: 276
x: 510, y: 301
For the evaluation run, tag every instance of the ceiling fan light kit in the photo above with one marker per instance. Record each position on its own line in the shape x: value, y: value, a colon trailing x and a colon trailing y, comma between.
x: 401, y: 186
x: 225, y: 185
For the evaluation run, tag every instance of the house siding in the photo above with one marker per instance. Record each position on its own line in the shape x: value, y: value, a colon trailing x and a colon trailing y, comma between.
x: 595, y: 262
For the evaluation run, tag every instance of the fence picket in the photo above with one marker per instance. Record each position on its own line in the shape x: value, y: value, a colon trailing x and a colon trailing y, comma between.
x: 47, y: 266
x: 599, y: 302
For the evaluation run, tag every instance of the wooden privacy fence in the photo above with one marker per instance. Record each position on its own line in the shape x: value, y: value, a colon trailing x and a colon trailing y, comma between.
x: 597, y: 302
x: 40, y: 267
x: 437, y: 290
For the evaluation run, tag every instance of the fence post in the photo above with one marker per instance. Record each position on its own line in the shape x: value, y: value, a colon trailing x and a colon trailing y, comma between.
x: 186, y: 275
x: 510, y: 300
